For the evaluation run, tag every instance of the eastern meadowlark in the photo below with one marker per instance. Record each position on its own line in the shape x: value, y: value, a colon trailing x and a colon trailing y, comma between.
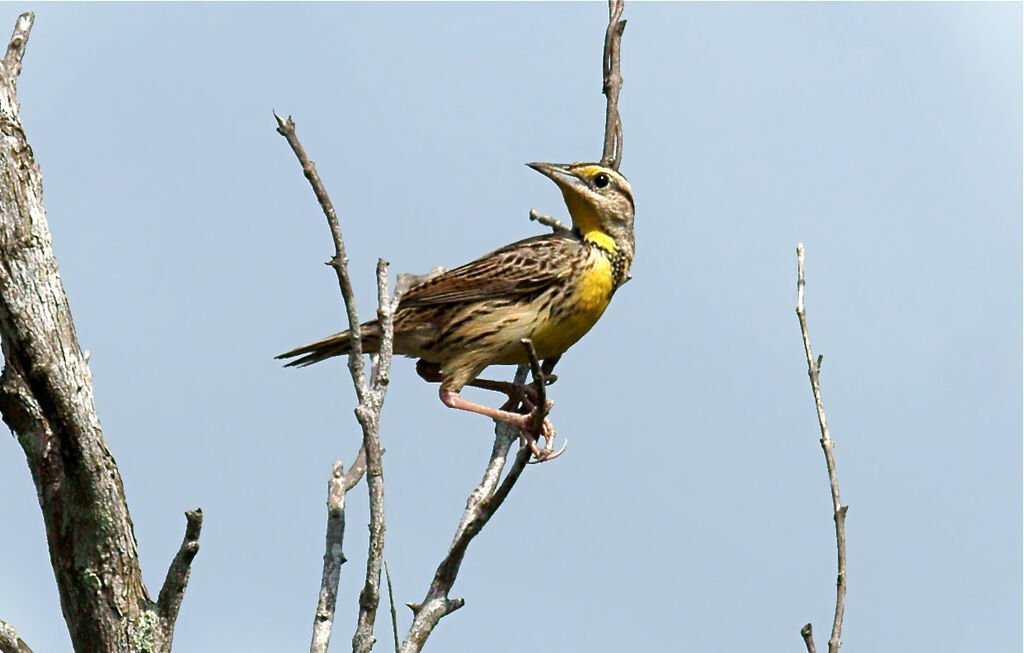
x: 551, y: 289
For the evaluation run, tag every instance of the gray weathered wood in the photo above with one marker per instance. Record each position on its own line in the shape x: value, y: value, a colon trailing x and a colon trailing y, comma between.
x: 46, y: 398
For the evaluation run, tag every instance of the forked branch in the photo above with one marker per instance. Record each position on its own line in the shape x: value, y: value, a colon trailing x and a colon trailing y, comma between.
x: 827, y: 445
x: 371, y: 399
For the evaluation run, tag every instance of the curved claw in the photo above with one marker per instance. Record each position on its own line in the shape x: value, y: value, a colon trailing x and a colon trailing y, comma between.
x: 547, y: 431
x: 549, y: 456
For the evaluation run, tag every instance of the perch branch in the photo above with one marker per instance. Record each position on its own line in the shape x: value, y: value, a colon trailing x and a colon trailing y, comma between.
x: 827, y: 445
x: 612, y: 84
x: 9, y: 640
x: 370, y: 395
x: 483, y: 502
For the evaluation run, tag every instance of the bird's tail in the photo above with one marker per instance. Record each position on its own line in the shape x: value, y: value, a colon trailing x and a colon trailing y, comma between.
x: 337, y: 345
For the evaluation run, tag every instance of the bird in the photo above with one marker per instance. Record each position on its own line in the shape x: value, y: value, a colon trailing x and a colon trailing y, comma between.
x: 550, y: 289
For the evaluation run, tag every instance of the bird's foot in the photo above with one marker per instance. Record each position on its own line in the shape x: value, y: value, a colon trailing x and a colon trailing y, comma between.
x: 547, y: 452
x: 535, y: 425
x: 532, y: 425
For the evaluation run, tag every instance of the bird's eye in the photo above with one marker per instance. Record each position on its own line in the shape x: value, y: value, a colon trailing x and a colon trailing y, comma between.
x: 601, y: 180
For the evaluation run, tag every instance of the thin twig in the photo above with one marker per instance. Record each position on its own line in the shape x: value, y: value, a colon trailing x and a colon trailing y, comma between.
x: 827, y: 445
x: 173, y: 590
x: 9, y: 640
x: 339, y: 261
x: 380, y: 375
x: 369, y: 597
x: 612, y: 84
x: 548, y: 221
x: 391, y: 600
x: 334, y: 558
x: 540, y: 381
x: 368, y: 414
x: 808, y: 636
x: 338, y: 485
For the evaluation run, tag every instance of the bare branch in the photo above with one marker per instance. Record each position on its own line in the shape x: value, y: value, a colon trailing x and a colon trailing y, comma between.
x: 173, y: 590
x: 827, y: 445
x: 338, y: 485
x: 371, y: 395
x: 334, y: 558
x: 9, y: 640
x: 548, y: 221
x: 612, y: 156
x: 369, y: 416
x: 380, y: 375
x: 356, y: 471
x: 369, y: 597
x: 808, y: 636
x: 391, y: 600
x: 339, y: 261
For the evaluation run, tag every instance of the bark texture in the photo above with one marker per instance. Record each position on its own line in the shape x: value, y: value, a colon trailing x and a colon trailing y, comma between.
x: 46, y: 398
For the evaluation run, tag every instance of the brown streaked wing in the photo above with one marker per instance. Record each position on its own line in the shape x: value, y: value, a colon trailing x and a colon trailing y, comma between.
x: 520, y: 268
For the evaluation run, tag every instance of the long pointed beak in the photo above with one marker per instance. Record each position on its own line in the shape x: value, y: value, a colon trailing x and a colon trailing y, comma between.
x: 560, y: 174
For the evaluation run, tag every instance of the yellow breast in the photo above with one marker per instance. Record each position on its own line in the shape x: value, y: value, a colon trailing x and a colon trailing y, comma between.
x: 585, y: 305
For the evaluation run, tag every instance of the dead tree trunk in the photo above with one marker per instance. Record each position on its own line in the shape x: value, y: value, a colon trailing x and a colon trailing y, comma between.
x: 46, y: 399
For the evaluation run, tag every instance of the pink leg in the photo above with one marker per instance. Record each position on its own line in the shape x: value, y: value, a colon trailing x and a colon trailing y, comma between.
x: 431, y: 372
x: 527, y: 424
x: 453, y: 400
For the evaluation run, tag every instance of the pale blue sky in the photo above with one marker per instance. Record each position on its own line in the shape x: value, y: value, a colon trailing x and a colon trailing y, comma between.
x: 691, y: 510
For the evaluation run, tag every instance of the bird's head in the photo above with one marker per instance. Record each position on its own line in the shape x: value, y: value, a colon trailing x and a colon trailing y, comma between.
x: 599, y: 199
